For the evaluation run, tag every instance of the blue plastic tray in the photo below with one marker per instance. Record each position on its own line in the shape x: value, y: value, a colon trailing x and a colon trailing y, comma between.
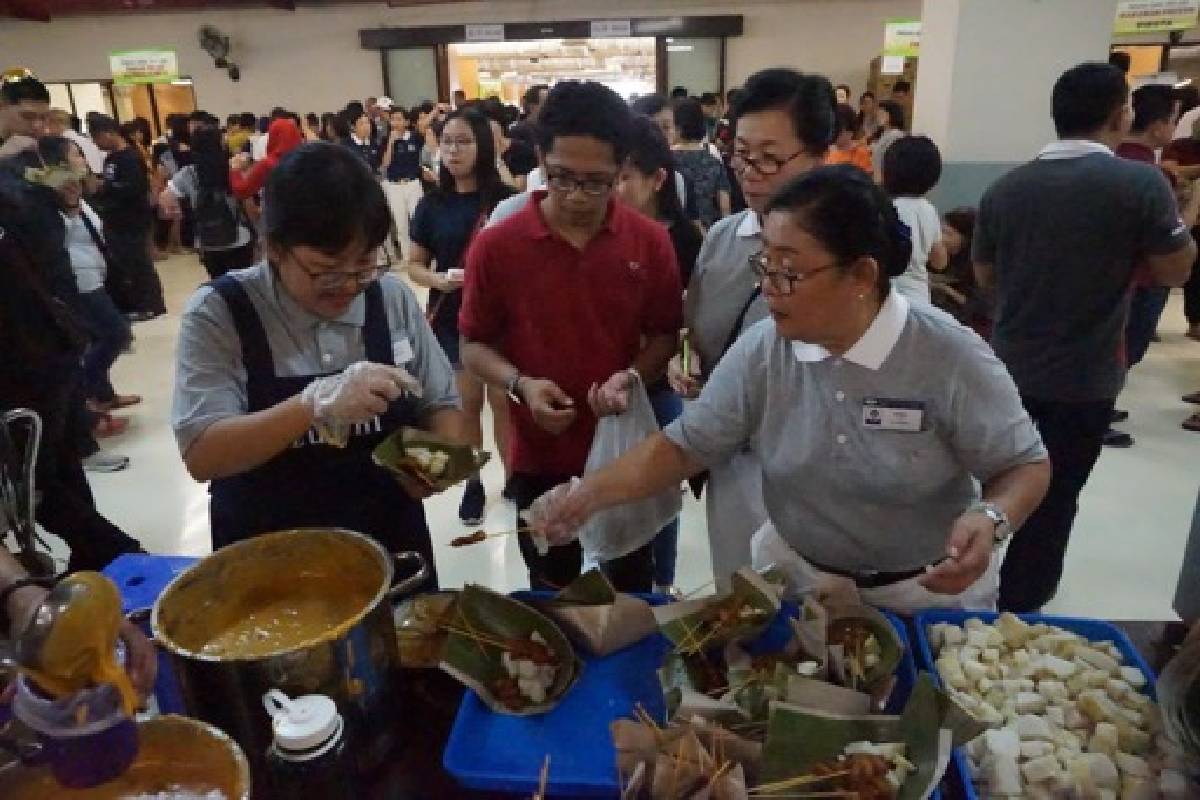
x: 141, y: 578
x: 503, y: 753
x: 1092, y: 629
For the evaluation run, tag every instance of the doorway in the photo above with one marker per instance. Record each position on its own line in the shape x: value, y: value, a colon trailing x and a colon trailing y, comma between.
x: 153, y: 101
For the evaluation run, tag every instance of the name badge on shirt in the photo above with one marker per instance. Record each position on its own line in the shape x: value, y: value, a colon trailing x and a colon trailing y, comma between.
x: 890, y: 414
x: 402, y: 351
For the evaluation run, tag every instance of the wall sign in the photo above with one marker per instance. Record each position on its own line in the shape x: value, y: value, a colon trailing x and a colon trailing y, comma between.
x: 485, y: 33
x: 902, y: 37
x: 1155, y: 16
x: 611, y: 28
x: 143, y: 66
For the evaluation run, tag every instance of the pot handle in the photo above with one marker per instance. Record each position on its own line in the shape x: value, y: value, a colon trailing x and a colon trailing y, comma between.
x: 408, y: 584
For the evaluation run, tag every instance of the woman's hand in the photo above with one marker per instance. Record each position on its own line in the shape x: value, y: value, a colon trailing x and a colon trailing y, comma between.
x: 558, y: 515
x: 358, y: 393
x: 613, y: 396
x: 687, y: 384
x: 141, y: 659
x: 968, y: 554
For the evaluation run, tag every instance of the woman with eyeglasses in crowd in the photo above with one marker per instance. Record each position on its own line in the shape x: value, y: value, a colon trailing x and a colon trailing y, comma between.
x: 291, y: 372
x: 894, y: 451
x: 443, y: 225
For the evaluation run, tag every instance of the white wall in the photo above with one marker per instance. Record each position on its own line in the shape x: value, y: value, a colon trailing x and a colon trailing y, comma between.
x: 310, y: 59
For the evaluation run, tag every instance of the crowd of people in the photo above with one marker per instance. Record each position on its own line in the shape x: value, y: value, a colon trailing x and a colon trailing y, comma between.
x: 860, y: 387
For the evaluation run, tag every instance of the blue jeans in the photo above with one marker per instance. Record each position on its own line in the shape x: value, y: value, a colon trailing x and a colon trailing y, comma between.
x: 1145, y: 308
x: 109, y: 332
x: 667, y: 407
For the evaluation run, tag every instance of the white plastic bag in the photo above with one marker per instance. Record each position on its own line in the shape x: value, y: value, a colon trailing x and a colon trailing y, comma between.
x: 622, y: 529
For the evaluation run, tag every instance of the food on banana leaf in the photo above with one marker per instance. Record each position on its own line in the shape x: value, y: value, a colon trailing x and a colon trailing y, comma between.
x: 465, y: 541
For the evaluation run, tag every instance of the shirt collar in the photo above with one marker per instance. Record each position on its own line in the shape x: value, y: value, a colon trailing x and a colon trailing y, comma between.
x: 355, y: 315
x: 876, y: 344
x: 1072, y: 148
x: 354, y: 138
x: 538, y: 228
x: 749, y: 227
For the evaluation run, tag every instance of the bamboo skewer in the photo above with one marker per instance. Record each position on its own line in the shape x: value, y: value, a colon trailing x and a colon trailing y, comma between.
x: 797, y: 782
x: 543, y: 779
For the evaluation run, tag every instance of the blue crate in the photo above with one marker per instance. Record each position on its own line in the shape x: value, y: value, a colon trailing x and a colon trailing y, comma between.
x: 141, y: 578
x: 503, y: 753
x: 1092, y: 629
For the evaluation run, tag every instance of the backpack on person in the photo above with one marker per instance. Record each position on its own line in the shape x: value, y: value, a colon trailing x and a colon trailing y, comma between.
x: 214, y: 219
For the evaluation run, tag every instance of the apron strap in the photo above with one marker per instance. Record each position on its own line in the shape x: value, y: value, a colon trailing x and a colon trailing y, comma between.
x: 377, y: 334
x: 256, y: 351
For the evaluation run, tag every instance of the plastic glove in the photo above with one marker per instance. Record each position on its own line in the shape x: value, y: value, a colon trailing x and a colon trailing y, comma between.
x: 549, y: 518
x: 357, y: 394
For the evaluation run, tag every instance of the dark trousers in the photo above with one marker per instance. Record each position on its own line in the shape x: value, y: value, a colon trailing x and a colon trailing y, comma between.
x: 1191, y: 295
x: 132, y: 282
x: 1073, y: 434
x: 629, y: 573
x: 67, y: 508
x: 1145, y: 308
x: 218, y: 262
x: 109, y: 331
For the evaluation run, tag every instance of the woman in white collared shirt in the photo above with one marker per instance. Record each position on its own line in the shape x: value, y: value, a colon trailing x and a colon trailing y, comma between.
x: 876, y: 422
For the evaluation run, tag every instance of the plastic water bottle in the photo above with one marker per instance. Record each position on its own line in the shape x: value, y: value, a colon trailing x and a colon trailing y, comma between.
x: 308, y: 757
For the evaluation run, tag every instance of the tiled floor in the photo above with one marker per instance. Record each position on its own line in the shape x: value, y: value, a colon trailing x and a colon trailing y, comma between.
x: 1123, y: 562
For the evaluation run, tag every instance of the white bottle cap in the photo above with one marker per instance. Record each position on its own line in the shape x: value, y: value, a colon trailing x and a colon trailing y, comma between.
x: 303, y: 723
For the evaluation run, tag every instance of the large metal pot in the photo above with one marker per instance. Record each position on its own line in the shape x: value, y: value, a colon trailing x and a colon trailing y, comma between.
x: 353, y: 660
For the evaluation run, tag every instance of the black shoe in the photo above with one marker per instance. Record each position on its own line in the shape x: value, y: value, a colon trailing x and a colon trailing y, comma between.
x: 470, y: 511
x: 1119, y: 416
x: 510, y: 494
x: 1115, y: 438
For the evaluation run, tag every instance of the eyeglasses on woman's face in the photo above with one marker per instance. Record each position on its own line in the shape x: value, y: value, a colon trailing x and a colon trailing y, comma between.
x: 765, y: 164
x: 781, y: 278
x: 331, y: 279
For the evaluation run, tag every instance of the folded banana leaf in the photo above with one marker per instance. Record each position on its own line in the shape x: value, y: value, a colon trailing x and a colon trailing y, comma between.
x: 696, y: 626
x: 419, y: 628
x: 396, y: 453
x: 800, y: 739
x: 842, y: 620
x: 691, y: 760
x: 481, y: 626
x: 597, y: 617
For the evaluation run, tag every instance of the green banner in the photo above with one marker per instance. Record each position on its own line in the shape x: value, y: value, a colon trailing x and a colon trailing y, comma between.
x: 159, y: 65
x: 902, y: 37
x: 1155, y: 16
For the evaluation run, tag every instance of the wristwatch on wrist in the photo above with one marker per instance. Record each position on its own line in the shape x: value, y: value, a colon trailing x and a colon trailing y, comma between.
x: 512, y: 386
x: 998, y: 517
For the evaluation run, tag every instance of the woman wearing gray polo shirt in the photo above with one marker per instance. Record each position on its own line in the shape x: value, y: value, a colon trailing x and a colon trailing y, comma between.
x: 876, y: 422
x: 290, y: 372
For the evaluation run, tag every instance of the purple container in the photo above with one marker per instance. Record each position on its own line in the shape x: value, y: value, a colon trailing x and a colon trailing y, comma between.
x: 84, y: 754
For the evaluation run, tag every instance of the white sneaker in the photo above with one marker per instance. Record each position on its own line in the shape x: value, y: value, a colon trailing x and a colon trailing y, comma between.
x: 101, y: 461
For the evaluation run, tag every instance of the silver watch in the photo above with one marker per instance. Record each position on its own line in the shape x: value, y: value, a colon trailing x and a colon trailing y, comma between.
x: 998, y: 517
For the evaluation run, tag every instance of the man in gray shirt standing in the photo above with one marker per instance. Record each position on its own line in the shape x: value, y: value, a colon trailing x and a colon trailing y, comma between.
x: 1059, y: 238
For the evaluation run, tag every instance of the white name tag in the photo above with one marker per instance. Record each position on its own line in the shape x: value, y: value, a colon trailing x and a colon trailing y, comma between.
x: 402, y: 351
x: 888, y: 414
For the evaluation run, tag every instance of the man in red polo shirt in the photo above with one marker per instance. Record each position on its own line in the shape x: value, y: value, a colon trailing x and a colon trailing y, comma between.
x: 563, y: 302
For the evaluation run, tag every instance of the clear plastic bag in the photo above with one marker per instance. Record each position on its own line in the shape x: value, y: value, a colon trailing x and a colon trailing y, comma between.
x: 622, y: 529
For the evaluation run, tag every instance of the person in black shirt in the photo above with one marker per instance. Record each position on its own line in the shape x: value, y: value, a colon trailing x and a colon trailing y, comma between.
x: 401, y: 169
x: 362, y: 141
x: 647, y: 182
x: 123, y: 204
x: 445, y: 222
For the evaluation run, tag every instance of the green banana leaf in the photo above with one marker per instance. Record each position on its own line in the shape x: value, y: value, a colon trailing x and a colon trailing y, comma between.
x: 465, y: 461
x: 798, y: 739
x: 891, y: 649
x: 478, y: 664
x: 692, y: 625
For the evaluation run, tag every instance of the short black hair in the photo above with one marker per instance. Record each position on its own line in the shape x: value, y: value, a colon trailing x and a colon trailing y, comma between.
x: 533, y: 94
x: 425, y: 108
x: 679, y: 92
x: 247, y: 120
x: 1085, y: 97
x: 53, y: 149
x: 865, y: 95
x: 807, y: 99
x: 689, y: 119
x: 1188, y: 96
x: 1121, y: 60
x: 324, y: 196
x: 28, y: 88
x: 895, y: 112
x: 911, y: 166
x: 279, y: 112
x: 198, y: 116
x: 1154, y: 102
x: 902, y: 86
x: 708, y: 98
x: 850, y: 216
x: 649, y: 104
x: 847, y: 119
x: 312, y: 119
x: 102, y: 123
x: 585, y: 108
